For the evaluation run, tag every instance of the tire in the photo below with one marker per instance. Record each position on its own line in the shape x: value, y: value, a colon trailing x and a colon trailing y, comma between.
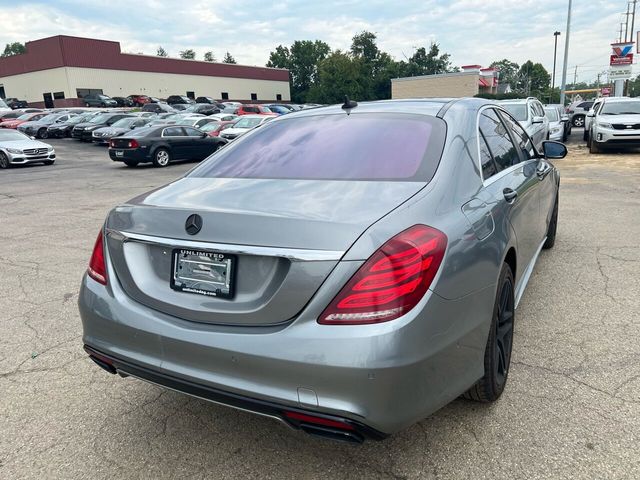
x: 497, y: 355
x: 553, y: 226
x: 578, y: 121
x: 49, y: 162
x: 161, y: 158
x: 593, y: 146
x: 42, y: 133
x: 4, y: 161
x: 131, y: 163
x: 585, y: 135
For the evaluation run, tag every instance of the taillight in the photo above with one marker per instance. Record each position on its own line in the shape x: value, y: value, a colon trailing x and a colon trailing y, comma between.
x: 112, y: 144
x: 392, y: 281
x: 97, y: 268
x: 133, y: 144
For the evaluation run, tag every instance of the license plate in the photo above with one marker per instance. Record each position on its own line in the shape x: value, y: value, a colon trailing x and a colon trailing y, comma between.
x: 203, y: 273
x: 119, y: 153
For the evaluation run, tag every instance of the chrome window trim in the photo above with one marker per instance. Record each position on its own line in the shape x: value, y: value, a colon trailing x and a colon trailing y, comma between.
x: 293, y: 254
x: 494, y: 178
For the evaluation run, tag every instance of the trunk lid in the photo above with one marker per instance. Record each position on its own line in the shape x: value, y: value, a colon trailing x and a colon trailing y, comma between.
x: 286, y: 236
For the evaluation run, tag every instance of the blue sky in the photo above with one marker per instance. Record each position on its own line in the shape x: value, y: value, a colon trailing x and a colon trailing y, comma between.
x: 472, y: 31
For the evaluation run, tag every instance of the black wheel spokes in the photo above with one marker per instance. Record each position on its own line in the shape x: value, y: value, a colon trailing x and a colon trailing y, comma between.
x: 504, y: 332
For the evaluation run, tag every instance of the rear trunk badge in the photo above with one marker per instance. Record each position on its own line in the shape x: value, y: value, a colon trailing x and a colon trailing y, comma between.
x: 193, y: 224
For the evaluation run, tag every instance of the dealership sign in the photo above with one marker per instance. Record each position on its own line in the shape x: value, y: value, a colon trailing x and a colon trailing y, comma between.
x: 620, y: 73
x: 622, y: 54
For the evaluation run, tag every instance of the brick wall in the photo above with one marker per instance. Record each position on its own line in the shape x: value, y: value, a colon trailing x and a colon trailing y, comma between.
x: 454, y: 85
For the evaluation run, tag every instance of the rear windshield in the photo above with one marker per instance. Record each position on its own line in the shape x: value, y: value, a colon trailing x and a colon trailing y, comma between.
x: 363, y: 146
x: 517, y: 110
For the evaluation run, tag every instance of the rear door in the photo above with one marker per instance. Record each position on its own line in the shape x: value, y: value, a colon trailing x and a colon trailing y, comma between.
x: 178, y: 142
x: 514, y: 188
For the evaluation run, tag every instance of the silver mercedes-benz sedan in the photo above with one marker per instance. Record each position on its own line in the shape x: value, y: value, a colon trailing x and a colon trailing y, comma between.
x: 18, y: 149
x: 347, y: 270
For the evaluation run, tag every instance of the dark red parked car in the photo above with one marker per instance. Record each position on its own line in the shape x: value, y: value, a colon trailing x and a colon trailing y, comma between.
x: 139, y: 100
x: 251, y: 109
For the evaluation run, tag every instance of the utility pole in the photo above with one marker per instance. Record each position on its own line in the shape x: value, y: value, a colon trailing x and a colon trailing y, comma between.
x: 566, y: 57
x: 626, y: 31
x: 633, y: 19
x: 555, y: 52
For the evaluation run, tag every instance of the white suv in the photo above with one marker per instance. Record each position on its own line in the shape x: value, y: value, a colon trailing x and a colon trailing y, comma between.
x: 529, y: 112
x: 616, y: 122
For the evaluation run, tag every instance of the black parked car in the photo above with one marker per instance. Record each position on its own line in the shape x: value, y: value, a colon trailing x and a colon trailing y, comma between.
x: 204, y: 109
x: 211, y: 101
x: 99, y: 100
x: 14, y: 103
x: 123, y: 101
x: 40, y: 128
x: 63, y: 129
x: 162, y: 144
x: 84, y: 131
x: 158, y: 107
x: 173, y: 99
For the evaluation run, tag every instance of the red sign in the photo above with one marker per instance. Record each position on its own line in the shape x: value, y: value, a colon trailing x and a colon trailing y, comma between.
x: 606, y: 91
x: 624, y: 60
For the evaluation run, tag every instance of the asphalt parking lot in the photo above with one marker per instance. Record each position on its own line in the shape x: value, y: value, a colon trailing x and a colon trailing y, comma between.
x: 571, y: 408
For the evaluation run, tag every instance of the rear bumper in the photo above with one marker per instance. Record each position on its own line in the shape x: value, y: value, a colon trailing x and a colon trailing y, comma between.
x: 351, y: 430
x: 134, y: 154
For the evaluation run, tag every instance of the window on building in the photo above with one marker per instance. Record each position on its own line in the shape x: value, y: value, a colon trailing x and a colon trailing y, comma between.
x: 58, y: 95
x: 279, y: 97
x: 225, y: 95
x: 254, y: 96
x: 191, y: 95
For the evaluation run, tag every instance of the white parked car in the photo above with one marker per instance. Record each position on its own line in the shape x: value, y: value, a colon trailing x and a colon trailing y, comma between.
x: 224, y: 117
x: 557, y: 130
x: 242, y: 126
x: 18, y: 149
x: 616, y: 122
x: 529, y: 112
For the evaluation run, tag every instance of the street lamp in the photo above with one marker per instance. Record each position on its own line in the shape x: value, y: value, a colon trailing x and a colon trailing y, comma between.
x: 555, y: 52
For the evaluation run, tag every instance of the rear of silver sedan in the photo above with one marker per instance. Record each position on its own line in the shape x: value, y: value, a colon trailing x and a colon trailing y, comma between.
x: 267, y: 280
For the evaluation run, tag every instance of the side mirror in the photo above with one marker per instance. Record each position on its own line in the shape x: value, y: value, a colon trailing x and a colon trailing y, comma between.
x: 591, y: 114
x: 554, y: 150
x: 538, y: 120
x: 564, y: 118
x: 203, y: 135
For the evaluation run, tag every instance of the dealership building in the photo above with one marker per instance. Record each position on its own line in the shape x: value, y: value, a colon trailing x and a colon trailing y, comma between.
x: 59, y: 71
x: 472, y: 80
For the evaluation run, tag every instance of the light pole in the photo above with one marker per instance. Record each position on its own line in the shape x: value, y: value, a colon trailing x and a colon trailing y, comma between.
x: 566, y: 57
x: 555, y: 52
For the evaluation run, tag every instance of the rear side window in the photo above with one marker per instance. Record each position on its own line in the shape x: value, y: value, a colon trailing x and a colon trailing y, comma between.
x: 486, y: 160
x: 173, y: 132
x: 366, y: 146
x: 521, y: 137
x: 498, y: 139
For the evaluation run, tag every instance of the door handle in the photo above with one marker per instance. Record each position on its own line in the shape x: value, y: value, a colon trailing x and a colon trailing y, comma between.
x: 509, y: 195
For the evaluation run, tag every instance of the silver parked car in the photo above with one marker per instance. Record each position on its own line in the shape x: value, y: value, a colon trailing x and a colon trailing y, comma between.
x: 18, y: 149
x: 557, y: 123
x: 347, y: 271
x: 530, y: 113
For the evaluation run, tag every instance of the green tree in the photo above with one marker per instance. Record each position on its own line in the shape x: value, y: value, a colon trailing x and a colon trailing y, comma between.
x: 188, y: 54
x: 533, y: 79
x: 634, y: 87
x: 15, y: 48
x: 507, y: 71
x: 424, y: 62
x: 339, y: 74
x: 228, y: 58
x: 209, y: 57
x: 377, y: 67
x: 161, y: 52
x: 302, y: 61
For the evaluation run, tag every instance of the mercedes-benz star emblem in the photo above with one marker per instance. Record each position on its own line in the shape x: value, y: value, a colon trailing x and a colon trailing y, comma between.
x: 193, y: 224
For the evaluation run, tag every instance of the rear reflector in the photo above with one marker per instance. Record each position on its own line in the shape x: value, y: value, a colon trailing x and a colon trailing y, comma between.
x: 392, y: 281
x: 313, y: 420
x: 97, y: 268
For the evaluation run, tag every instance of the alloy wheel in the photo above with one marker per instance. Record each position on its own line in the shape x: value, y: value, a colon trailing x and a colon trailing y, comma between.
x: 162, y: 158
x: 4, y: 160
x: 504, y: 332
x: 578, y: 121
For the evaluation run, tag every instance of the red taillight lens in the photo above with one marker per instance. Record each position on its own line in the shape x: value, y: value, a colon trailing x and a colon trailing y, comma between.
x: 312, y: 419
x: 133, y: 144
x: 392, y: 281
x: 97, y: 268
x: 112, y: 144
